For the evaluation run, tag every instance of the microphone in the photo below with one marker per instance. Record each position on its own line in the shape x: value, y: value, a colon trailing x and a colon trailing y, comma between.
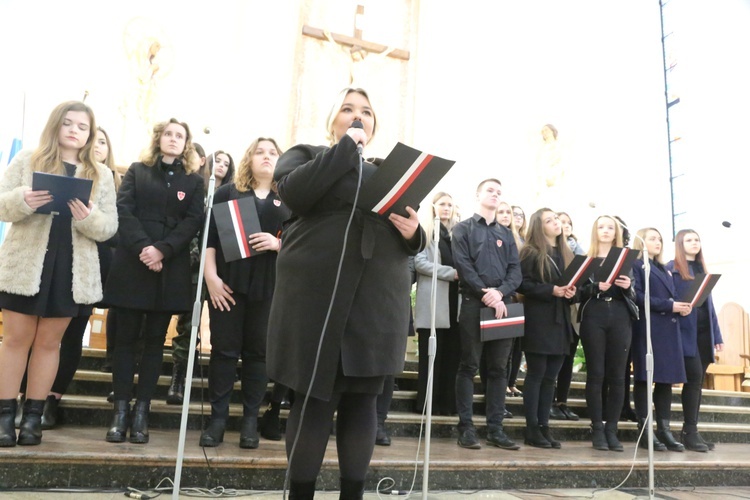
x: 726, y: 224
x: 206, y: 130
x: 358, y: 124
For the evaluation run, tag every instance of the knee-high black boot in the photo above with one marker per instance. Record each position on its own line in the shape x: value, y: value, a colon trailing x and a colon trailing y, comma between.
x: 7, y: 424
x: 254, y: 383
x: 30, y: 433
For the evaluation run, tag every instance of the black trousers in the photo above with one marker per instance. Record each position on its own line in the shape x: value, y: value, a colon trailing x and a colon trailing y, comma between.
x: 153, y: 327
x: 472, y: 347
x: 447, y: 357
x: 606, y: 333
x: 239, y: 333
x: 539, y: 386
x: 383, y: 403
x: 565, y: 377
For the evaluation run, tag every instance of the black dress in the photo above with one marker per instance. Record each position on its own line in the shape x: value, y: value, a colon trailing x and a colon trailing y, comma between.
x: 55, y: 297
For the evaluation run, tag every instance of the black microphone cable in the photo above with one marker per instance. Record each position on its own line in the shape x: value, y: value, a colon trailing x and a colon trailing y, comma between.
x: 325, y: 323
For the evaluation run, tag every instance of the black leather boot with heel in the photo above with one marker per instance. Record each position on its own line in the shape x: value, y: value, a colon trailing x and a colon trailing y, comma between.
x: 664, y: 434
x: 139, y: 425
x: 118, y: 429
x: 30, y: 433
x: 8, y: 409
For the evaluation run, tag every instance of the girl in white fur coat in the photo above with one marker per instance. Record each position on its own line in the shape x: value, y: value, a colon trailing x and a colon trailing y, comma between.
x: 49, y: 263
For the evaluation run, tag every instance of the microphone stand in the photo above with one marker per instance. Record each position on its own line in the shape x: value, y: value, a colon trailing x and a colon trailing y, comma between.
x: 195, y: 322
x: 431, y: 352
x: 649, y: 368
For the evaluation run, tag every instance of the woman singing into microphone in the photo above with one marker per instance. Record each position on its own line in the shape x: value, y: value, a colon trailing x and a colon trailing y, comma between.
x: 333, y: 336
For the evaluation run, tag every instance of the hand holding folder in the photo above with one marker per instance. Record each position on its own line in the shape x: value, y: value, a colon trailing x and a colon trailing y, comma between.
x: 402, y: 180
x: 491, y: 328
x: 63, y: 189
x: 619, y: 262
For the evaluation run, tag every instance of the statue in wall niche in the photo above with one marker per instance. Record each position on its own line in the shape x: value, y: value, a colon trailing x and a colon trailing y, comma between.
x: 550, y: 168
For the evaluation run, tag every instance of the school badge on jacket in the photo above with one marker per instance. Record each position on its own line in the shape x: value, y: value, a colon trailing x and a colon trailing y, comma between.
x: 180, y: 195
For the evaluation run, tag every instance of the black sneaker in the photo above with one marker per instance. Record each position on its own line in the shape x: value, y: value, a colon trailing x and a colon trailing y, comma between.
x: 501, y: 440
x: 468, y: 439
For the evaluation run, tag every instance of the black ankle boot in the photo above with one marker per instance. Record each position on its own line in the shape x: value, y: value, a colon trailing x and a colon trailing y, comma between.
x: 658, y: 445
x: 19, y: 411
x: 552, y: 441
x: 665, y: 436
x: 692, y: 442
x: 118, y: 429
x: 49, y: 416
x: 270, y: 425
x: 711, y: 446
x: 30, y: 433
x: 301, y: 490
x: 351, y: 490
x: 533, y: 437
x: 249, y: 432
x: 381, y: 435
x: 7, y: 424
x: 610, y: 434
x: 139, y: 425
x: 214, y: 434
x: 176, y: 391
x: 597, y: 436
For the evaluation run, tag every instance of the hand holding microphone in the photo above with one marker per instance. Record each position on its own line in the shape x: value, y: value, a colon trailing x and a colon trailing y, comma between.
x: 357, y: 133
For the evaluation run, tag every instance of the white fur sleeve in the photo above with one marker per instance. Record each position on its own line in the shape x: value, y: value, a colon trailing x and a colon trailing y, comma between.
x: 13, y: 208
x: 101, y: 223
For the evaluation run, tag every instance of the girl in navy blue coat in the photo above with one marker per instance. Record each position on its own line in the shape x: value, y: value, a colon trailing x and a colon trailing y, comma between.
x: 700, y: 335
x: 666, y: 341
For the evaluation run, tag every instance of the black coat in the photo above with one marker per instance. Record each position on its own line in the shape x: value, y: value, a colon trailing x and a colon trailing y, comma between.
x: 666, y: 340
x: 367, y: 328
x: 547, y: 326
x: 164, y: 210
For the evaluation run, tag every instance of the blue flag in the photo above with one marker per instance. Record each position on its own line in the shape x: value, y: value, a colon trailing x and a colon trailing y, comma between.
x: 15, y: 147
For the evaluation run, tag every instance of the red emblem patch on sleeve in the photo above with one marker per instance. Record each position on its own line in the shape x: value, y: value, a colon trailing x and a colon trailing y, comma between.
x: 499, y: 243
x: 277, y: 203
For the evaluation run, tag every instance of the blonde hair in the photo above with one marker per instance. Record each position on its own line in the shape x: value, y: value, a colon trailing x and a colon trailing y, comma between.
x: 429, y: 218
x: 109, y: 161
x: 513, y: 228
x: 151, y: 154
x: 47, y: 157
x: 243, y: 179
x: 638, y: 244
x: 334, y: 112
x: 594, y: 249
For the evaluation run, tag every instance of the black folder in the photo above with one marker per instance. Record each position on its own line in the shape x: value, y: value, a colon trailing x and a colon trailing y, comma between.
x: 403, y: 179
x: 619, y: 262
x: 578, y: 271
x: 63, y: 189
x: 700, y: 288
x: 235, y: 221
x: 491, y: 328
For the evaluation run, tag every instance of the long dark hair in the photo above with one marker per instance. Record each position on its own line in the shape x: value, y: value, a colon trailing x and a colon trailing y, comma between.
x: 538, y: 248
x: 680, y: 258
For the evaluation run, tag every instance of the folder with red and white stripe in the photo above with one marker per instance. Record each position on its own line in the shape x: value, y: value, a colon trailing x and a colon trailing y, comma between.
x: 402, y: 180
x: 235, y: 221
x: 491, y: 328
x: 700, y: 288
x: 619, y: 262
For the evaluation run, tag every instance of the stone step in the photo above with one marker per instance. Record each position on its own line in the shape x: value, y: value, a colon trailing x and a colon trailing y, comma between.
x: 96, y: 411
x: 74, y: 457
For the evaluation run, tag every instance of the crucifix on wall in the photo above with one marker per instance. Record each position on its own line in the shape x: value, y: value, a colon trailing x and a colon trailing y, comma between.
x: 360, y: 51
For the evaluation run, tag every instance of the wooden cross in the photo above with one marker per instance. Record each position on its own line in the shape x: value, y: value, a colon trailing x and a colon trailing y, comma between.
x: 356, y: 42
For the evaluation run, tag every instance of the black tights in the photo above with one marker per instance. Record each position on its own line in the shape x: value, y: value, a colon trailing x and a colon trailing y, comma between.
x: 355, y: 435
x: 695, y: 369
x: 662, y: 400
